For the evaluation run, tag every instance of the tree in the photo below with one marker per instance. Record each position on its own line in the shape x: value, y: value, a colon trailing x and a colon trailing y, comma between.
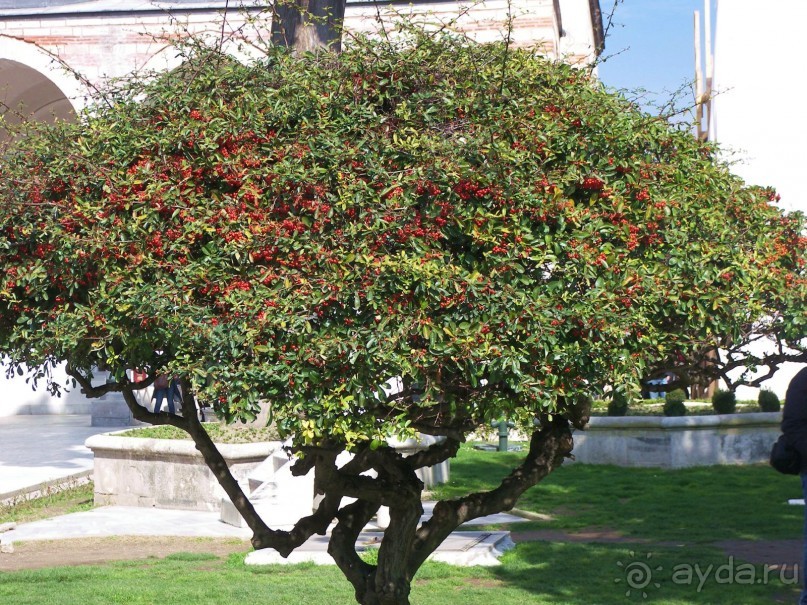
x: 308, y: 25
x: 491, y: 230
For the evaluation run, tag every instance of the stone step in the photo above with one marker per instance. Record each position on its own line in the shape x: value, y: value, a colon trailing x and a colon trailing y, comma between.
x: 464, y: 548
x: 276, y: 515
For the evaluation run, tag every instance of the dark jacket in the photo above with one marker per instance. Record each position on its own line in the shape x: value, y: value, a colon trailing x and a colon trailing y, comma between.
x: 794, y: 417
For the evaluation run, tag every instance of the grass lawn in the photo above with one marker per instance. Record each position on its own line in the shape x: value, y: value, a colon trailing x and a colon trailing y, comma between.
x: 56, y: 503
x: 538, y: 573
x: 697, y: 505
x: 674, y: 516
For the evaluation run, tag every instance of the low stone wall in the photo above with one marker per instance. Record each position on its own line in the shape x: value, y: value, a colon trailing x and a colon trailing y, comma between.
x: 165, y: 473
x: 678, y: 442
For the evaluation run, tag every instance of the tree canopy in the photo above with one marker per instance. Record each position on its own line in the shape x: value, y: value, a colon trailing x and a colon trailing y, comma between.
x: 418, y: 234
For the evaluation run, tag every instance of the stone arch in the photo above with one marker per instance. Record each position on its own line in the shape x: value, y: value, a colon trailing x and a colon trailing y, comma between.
x: 34, y: 85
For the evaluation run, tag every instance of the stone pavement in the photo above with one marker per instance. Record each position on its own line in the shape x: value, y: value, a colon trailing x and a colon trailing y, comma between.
x: 461, y: 548
x: 42, y: 450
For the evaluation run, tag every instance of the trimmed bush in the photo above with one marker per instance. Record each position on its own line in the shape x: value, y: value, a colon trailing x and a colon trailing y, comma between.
x: 724, y: 402
x: 674, y: 403
x: 768, y: 401
x: 618, y: 406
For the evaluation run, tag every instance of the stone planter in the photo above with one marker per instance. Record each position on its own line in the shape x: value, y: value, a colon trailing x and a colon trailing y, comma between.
x: 430, y: 475
x: 165, y: 473
x: 678, y: 442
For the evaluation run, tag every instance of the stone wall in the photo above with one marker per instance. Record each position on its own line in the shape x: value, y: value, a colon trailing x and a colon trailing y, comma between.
x: 165, y: 473
x: 657, y: 441
x: 102, y: 39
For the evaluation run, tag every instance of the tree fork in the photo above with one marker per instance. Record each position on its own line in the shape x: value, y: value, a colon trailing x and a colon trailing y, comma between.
x: 549, y: 446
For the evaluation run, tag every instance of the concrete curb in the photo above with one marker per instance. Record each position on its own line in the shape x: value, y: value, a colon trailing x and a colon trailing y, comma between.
x: 689, y: 422
x: 56, y: 485
x: 176, y: 447
x: 678, y: 442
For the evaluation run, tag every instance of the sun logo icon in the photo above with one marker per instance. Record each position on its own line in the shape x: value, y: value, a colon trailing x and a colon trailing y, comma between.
x: 638, y: 575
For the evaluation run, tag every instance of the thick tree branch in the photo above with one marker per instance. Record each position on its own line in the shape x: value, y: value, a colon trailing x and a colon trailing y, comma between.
x: 263, y: 537
x: 90, y: 391
x: 342, y: 546
x: 434, y: 454
x: 383, y: 489
x: 549, y: 446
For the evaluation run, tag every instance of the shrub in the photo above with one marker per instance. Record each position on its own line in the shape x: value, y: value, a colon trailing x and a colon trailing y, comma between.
x: 618, y: 406
x: 768, y: 401
x: 724, y: 402
x: 674, y: 403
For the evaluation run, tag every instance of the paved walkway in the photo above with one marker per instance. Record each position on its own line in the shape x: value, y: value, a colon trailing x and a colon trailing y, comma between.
x: 37, y: 450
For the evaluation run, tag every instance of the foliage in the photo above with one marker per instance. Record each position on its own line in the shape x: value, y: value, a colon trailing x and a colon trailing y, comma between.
x: 618, y: 406
x: 768, y: 401
x: 724, y: 402
x: 303, y: 228
x: 655, y: 407
x: 674, y: 403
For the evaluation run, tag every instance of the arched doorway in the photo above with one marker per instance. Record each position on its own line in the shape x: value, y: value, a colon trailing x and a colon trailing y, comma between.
x: 27, y: 94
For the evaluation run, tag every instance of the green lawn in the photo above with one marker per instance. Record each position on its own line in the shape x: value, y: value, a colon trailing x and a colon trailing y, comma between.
x: 700, y: 504
x: 674, y: 516
x: 540, y: 573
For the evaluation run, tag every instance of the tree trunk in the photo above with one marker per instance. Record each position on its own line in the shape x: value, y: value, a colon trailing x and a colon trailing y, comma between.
x: 392, y: 581
x: 308, y: 25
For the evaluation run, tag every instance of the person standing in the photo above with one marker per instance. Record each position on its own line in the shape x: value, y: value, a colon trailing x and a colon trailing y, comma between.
x: 165, y: 389
x: 794, y: 428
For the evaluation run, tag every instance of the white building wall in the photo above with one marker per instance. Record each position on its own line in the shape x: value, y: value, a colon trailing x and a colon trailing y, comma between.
x: 758, y: 109
x: 578, y: 44
x: 17, y: 396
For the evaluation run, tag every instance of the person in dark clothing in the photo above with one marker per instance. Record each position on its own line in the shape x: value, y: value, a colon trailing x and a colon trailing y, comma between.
x: 794, y: 427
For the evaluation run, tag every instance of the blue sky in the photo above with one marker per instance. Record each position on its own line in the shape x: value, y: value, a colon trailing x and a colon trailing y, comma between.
x: 650, y: 46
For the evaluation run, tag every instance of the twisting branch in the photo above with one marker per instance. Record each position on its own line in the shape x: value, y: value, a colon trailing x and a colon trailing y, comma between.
x: 342, y: 545
x: 434, y: 454
x: 384, y: 489
x: 263, y: 537
x: 90, y: 391
x: 549, y: 446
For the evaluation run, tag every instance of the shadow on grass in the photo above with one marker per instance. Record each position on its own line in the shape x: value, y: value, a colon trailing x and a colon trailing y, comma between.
x: 704, y: 504
x: 582, y: 574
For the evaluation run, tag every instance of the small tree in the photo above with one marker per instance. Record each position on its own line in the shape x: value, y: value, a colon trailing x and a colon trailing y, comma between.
x: 422, y: 235
x: 618, y: 406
